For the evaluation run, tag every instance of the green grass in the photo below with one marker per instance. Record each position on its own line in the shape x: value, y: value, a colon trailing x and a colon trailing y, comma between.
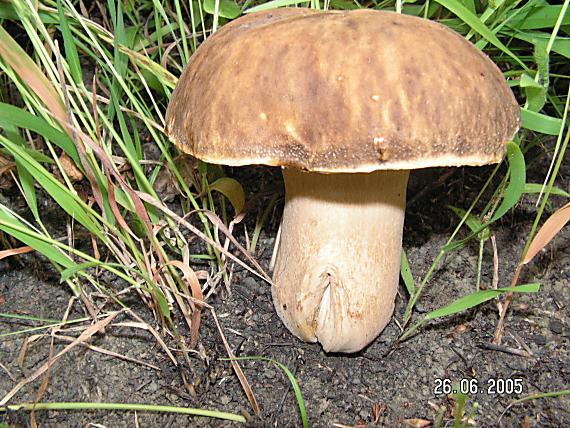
x: 92, y: 86
x: 131, y: 407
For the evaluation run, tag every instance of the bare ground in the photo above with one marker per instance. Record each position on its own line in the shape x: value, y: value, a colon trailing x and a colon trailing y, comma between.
x: 392, y: 384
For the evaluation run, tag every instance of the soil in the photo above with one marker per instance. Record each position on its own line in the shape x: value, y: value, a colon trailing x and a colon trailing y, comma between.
x: 387, y: 384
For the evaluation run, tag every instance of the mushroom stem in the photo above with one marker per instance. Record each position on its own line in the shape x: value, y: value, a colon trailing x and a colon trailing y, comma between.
x: 338, y: 261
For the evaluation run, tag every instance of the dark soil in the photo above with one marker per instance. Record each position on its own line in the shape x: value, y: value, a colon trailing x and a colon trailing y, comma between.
x: 392, y: 384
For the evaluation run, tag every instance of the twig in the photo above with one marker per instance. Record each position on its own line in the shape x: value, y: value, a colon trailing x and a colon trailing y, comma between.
x: 506, y: 349
x: 107, y: 352
x: 501, y: 324
x: 239, y: 373
x: 3, y: 367
x: 521, y: 342
x: 146, y: 326
x: 90, y: 331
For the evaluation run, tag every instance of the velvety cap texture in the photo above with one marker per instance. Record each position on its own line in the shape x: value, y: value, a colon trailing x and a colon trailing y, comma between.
x: 333, y: 91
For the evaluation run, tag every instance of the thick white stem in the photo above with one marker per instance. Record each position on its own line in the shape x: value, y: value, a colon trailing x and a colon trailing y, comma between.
x: 338, y: 262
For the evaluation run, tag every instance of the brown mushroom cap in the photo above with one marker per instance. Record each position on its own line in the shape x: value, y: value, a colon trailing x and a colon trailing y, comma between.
x: 336, y: 91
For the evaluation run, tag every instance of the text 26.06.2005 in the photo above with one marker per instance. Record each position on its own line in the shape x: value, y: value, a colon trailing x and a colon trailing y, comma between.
x: 473, y: 386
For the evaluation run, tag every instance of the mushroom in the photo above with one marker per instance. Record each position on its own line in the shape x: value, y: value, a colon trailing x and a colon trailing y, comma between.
x: 346, y: 103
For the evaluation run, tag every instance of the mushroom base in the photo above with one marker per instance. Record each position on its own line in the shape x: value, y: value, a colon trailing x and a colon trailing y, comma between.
x: 338, y: 261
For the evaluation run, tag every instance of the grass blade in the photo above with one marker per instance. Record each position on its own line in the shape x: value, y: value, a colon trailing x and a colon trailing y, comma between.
x: 15, y: 116
x: 294, y: 385
x: 468, y: 302
x: 71, y: 55
x: 406, y: 273
x: 227, y: 8
x: 29, y: 72
x: 231, y: 189
x: 533, y: 188
x: 560, y: 45
x: 129, y: 407
x: 275, y: 4
x: 69, y: 202
x: 540, y: 17
x: 539, y: 122
x: 474, y: 299
x: 472, y: 223
x: 517, y: 180
x: 534, y: 397
x: 476, y: 25
x: 12, y: 226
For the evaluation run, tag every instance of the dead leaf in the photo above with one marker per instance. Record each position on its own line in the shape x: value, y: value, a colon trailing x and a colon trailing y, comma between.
x: 108, y: 352
x: 143, y: 325
x: 115, y: 207
x: 458, y: 330
x: 548, y: 231
x: 70, y: 168
x: 14, y: 251
x: 417, y: 423
x: 378, y: 410
x: 30, y: 73
x: 191, y: 279
x: 42, y: 389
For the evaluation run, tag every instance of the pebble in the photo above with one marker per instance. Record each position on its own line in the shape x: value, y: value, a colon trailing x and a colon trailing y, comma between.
x: 226, y: 399
x: 556, y: 326
x: 539, y: 339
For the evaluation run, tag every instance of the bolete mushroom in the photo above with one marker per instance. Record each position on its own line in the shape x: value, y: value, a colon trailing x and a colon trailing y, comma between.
x: 346, y: 103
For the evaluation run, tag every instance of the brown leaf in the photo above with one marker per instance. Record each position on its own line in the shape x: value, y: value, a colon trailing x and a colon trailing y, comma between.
x: 14, y: 251
x: 115, y: 207
x: 31, y: 74
x: 458, y: 330
x: 417, y: 423
x: 145, y: 326
x: 42, y: 390
x: 70, y: 168
x: 191, y: 278
x: 548, y: 231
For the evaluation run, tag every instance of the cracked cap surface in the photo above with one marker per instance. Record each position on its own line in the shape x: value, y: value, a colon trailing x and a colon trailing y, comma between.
x: 334, y: 91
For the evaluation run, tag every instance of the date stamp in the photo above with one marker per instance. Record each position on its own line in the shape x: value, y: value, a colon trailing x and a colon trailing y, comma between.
x: 492, y: 386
